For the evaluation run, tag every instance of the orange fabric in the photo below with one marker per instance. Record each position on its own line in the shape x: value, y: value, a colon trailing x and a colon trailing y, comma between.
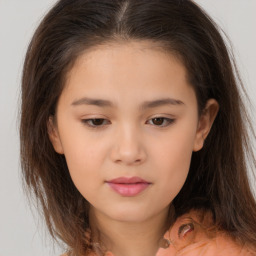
x: 203, y: 240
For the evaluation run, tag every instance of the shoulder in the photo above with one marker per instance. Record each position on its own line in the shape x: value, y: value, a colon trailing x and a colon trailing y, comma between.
x: 194, y: 234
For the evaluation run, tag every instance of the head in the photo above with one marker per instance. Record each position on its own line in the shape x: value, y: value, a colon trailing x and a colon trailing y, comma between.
x: 68, y: 48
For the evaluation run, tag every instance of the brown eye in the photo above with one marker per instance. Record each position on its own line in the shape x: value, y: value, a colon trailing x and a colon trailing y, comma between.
x: 95, y: 122
x: 161, y: 121
x: 158, y: 121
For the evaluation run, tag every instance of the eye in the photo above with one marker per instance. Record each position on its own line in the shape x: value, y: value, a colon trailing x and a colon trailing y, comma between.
x: 185, y: 229
x: 95, y: 122
x: 161, y: 121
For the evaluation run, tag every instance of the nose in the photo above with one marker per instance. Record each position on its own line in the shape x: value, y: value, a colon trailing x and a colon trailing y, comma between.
x: 128, y: 147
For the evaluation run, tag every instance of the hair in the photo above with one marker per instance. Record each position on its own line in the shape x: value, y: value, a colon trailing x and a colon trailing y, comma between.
x: 217, y: 179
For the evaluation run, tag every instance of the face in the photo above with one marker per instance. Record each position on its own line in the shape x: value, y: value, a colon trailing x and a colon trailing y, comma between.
x: 127, y: 122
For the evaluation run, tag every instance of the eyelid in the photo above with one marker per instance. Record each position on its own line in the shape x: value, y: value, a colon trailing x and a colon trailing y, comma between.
x: 169, y: 121
x: 88, y: 120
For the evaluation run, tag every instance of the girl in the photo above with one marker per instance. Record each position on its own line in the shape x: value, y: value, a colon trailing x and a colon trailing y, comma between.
x: 133, y: 131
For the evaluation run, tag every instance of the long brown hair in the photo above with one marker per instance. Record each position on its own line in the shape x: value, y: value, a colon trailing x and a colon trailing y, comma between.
x: 217, y: 179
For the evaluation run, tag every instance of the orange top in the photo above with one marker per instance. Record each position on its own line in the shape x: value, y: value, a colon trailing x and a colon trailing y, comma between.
x: 194, y: 234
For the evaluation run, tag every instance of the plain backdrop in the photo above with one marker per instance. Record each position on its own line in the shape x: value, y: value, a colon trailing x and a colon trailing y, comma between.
x: 21, y: 233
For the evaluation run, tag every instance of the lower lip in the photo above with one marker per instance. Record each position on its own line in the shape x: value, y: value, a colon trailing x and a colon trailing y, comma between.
x: 128, y: 189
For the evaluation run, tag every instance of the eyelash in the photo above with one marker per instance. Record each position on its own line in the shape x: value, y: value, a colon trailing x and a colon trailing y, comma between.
x: 89, y: 122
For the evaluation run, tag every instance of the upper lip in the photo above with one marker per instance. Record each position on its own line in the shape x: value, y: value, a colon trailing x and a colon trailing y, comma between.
x: 127, y: 180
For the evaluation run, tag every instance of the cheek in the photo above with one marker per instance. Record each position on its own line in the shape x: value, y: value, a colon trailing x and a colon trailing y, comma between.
x: 174, y: 159
x: 80, y: 148
x: 84, y: 158
x: 84, y: 168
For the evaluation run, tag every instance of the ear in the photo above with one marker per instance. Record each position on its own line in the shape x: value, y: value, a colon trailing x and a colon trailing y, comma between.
x: 54, y: 135
x: 205, y: 123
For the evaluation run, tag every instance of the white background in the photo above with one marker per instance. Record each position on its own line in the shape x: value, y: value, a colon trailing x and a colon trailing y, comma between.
x: 20, y: 233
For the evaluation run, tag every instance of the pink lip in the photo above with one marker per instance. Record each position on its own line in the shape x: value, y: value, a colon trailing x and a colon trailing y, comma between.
x: 126, y: 186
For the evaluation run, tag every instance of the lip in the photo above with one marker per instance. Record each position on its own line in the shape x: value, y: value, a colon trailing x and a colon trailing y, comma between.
x: 128, y: 186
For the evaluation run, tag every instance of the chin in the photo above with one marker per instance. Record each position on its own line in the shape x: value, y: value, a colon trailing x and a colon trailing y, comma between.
x: 130, y: 214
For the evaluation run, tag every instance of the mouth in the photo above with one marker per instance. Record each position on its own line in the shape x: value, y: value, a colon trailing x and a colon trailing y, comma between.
x: 128, y: 186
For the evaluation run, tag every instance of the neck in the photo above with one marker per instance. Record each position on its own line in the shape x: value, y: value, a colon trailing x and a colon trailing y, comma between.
x: 129, y: 238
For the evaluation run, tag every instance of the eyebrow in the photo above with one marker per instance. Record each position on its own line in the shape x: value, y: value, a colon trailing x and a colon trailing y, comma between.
x: 161, y: 102
x: 95, y: 102
x: 144, y: 105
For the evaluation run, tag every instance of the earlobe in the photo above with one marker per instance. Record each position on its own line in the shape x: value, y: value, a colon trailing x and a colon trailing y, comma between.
x: 54, y: 135
x: 205, y: 123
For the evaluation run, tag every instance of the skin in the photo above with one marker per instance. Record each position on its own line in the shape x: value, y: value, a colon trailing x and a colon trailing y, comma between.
x: 129, y: 141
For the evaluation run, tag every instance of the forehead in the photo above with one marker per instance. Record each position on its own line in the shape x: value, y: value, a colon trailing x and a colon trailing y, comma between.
x: 133, y: 68
x: 129, y: 56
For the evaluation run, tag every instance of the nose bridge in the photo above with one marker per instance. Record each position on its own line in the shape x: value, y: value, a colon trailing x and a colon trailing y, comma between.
x: 128, y: 145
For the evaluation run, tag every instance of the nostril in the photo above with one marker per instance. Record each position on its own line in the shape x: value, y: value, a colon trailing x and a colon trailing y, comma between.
x: 128, y: 151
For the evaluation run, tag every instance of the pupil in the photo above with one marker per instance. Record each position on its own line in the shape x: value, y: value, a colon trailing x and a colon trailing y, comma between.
x: 158, y: 121
x: 97, y: 121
